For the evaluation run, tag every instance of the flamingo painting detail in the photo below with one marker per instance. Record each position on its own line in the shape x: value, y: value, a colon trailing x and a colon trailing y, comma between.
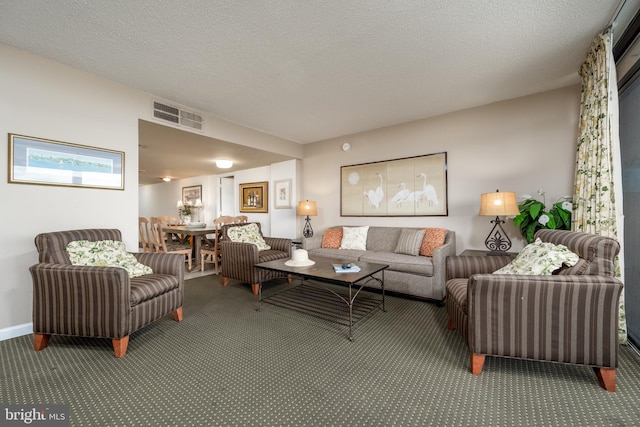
x: 428, y: 191
x: 375, y: 196
x: 401, y: 195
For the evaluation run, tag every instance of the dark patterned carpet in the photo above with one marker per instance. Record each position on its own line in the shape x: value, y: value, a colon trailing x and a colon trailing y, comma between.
x: 228, y: 364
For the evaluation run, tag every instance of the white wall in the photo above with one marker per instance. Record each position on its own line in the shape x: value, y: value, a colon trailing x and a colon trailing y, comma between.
x: 160, y: 199
x: 45, y: 99
x: 519, y: 145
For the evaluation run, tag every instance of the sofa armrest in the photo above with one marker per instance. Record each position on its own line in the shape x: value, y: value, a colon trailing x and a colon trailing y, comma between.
x: 161, y: 263
x: 439, y: 260
x: 313, y: 242
x: 95, y: 300
x: 462, y: 267
x: 569, y: 319
x: 279, y: 244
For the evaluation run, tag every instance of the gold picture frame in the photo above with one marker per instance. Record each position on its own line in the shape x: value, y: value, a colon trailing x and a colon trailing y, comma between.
x: 411, y: 186
x: 254, y: 197
x: 42, y: 161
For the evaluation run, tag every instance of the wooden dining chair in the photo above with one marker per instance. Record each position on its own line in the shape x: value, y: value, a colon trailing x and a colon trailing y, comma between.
x: 146, y: 238
x: 165, y: 245
x: 210, y: 251
x: 172, y: 220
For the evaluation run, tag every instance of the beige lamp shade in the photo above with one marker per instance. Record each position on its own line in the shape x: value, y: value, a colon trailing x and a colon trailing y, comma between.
x: 307, y: 208
x: 499, y: 204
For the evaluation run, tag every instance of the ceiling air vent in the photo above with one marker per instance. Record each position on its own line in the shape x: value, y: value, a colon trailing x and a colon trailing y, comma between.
x: 177, y: 116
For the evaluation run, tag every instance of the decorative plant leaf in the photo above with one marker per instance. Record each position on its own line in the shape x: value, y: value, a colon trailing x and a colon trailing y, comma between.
x: 530, y: 212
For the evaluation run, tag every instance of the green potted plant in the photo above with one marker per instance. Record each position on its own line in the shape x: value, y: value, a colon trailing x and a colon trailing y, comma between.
x: 185, y: 212
x: 535, y: 216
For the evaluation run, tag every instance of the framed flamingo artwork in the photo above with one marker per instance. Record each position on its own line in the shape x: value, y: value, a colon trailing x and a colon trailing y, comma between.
x: 411, y: 186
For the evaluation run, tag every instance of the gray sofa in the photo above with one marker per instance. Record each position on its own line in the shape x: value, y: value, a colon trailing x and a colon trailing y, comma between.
x: 418, y: 276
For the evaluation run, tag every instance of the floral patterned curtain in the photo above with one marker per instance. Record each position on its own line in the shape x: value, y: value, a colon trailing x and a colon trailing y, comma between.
x: 596, y: 180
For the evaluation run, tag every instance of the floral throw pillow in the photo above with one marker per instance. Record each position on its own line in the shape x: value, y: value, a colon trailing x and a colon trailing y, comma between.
x: 106, y: 253
x: 433, y: 239
x: 540, y: 258
x: 332, y: 238
x: 354, y: 238
x: 248, y: 234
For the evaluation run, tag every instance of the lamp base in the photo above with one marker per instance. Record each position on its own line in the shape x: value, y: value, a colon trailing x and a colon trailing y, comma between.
x: 497, y: 241
x: 307, y: 231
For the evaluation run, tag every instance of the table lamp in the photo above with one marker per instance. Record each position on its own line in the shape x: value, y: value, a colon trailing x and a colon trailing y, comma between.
x: 498, y: 204
x: 198, y: 206
x: 309, y: 209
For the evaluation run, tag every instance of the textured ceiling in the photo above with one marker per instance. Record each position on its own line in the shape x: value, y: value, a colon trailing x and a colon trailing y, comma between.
x: 311, y: 70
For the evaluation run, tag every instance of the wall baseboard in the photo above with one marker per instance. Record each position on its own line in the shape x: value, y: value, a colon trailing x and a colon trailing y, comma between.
x: 16, y: 331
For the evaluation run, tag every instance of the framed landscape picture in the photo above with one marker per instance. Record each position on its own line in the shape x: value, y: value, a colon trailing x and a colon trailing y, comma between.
x: 254, y: 197
x: 412, y: 186
x: 46, y: 162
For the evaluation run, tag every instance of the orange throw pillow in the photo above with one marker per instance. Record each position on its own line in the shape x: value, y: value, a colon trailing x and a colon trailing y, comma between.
x: 332, y: 238
x: 433, y: 239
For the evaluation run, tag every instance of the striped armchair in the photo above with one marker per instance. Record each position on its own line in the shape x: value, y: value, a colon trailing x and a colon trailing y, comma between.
x: 238, y: 259
x: 568, y: 317
x: 102, y: 302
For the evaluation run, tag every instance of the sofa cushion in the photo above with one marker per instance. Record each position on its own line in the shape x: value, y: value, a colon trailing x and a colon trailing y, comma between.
x: 354, y: 238
x: 106, y: 253
x: 422, y: 266
x: 149, y: 286
x: 410, y: 241
x: 433, y: 239
x: 540, y: 258
x: 341, y: 254
x: 249, y: 233
x: 383, y: 239
x: 332, y: 238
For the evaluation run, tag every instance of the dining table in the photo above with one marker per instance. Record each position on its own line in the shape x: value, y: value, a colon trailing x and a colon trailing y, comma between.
x: 196, y: 234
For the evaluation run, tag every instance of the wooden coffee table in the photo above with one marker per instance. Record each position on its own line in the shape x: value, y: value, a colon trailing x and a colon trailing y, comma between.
x: 323, y: 271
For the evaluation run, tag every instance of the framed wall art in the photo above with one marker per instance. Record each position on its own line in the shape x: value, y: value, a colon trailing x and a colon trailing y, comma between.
x: 46, y: 162
x: 412, y: 186
x: 282, y: 194
x: 254, y: 197
x: 191, y: 194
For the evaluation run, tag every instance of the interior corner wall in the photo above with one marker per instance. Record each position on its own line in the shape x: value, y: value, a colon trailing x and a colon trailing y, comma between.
x: 283, y: 220
x: 44, y: 99
x: 160, y: 199
x: 520, y: 145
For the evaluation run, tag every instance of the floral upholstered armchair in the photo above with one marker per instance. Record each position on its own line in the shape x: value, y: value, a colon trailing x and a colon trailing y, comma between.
x: 98, y: 300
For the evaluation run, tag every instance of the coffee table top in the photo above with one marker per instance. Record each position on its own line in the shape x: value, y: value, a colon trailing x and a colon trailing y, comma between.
x: 323, y: 269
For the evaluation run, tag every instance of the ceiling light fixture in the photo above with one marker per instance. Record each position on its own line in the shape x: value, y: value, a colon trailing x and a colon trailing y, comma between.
x: 166, y: 179
x: 224, y: 164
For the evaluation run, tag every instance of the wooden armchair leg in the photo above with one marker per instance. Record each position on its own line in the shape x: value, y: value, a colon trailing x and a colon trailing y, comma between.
x: 177, y: 314
x: 477, y: 362
x: 40, y: 341
x: 606, y: 378
x: 225, y: 281
x: 255, y: 288
x: 289, y: 279
x: 120, y: 346
x: 450, y: 325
